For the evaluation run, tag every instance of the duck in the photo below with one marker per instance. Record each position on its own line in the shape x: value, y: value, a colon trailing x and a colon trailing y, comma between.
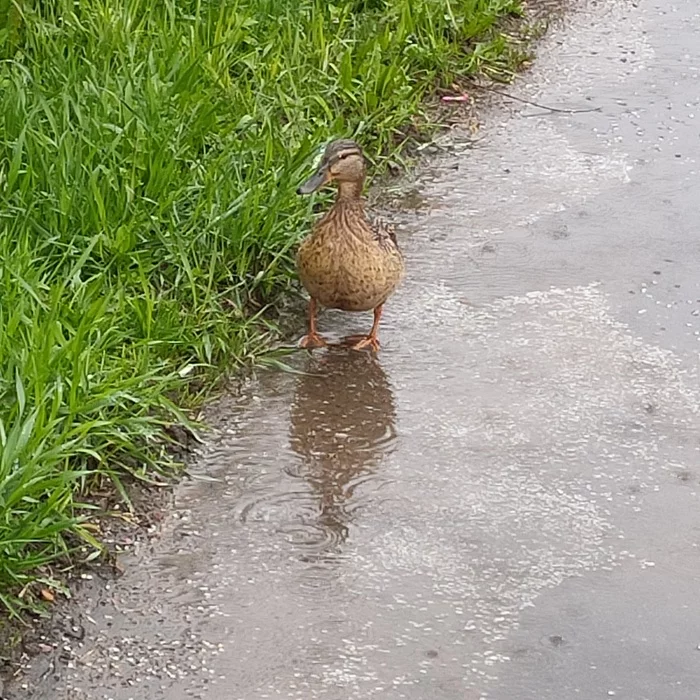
x: 349, y: 261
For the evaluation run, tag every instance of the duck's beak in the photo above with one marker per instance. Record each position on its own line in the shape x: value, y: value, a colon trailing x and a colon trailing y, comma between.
x: 315, y: 182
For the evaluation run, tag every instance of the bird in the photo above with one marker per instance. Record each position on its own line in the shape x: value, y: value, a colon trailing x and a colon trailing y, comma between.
x: 348, y: 261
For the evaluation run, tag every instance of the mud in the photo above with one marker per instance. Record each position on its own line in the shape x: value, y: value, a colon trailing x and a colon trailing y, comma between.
x: 504, y: 504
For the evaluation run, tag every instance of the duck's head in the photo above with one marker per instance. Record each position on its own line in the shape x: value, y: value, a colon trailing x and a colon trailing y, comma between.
x: 342, y: 162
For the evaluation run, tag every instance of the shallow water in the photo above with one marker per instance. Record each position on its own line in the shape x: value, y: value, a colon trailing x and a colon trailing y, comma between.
x: 503, y: 504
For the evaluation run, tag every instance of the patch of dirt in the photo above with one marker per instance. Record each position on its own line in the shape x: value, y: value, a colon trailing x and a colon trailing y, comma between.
x: 119, y: 528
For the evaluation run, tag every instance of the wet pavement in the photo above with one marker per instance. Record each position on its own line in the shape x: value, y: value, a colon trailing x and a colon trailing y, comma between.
x: 504, y: 504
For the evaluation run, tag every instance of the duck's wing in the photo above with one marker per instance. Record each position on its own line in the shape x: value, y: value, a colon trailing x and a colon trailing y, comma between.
x: 384, y: 233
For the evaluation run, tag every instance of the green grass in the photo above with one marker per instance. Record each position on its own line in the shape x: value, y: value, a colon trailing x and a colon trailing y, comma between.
x: 149, y: 153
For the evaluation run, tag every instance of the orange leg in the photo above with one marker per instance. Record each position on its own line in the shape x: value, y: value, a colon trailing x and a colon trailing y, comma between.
x: 312, y: 339
x: 371, y: 341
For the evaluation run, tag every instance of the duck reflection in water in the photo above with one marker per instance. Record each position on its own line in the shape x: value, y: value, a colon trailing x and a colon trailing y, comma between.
x: 341, y: 426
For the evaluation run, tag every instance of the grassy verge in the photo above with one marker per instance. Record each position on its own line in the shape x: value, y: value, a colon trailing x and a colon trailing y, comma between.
x: 149, y: 153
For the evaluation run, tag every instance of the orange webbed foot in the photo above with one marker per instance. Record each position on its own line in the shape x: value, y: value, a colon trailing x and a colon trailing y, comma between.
x: 311, y: 341
x: 370, y: 341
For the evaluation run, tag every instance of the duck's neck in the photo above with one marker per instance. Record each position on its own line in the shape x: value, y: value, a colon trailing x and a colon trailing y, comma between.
x: 349, y: 192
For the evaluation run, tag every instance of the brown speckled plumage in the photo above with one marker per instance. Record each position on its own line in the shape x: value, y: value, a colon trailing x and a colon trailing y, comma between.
x: 348, y: 261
